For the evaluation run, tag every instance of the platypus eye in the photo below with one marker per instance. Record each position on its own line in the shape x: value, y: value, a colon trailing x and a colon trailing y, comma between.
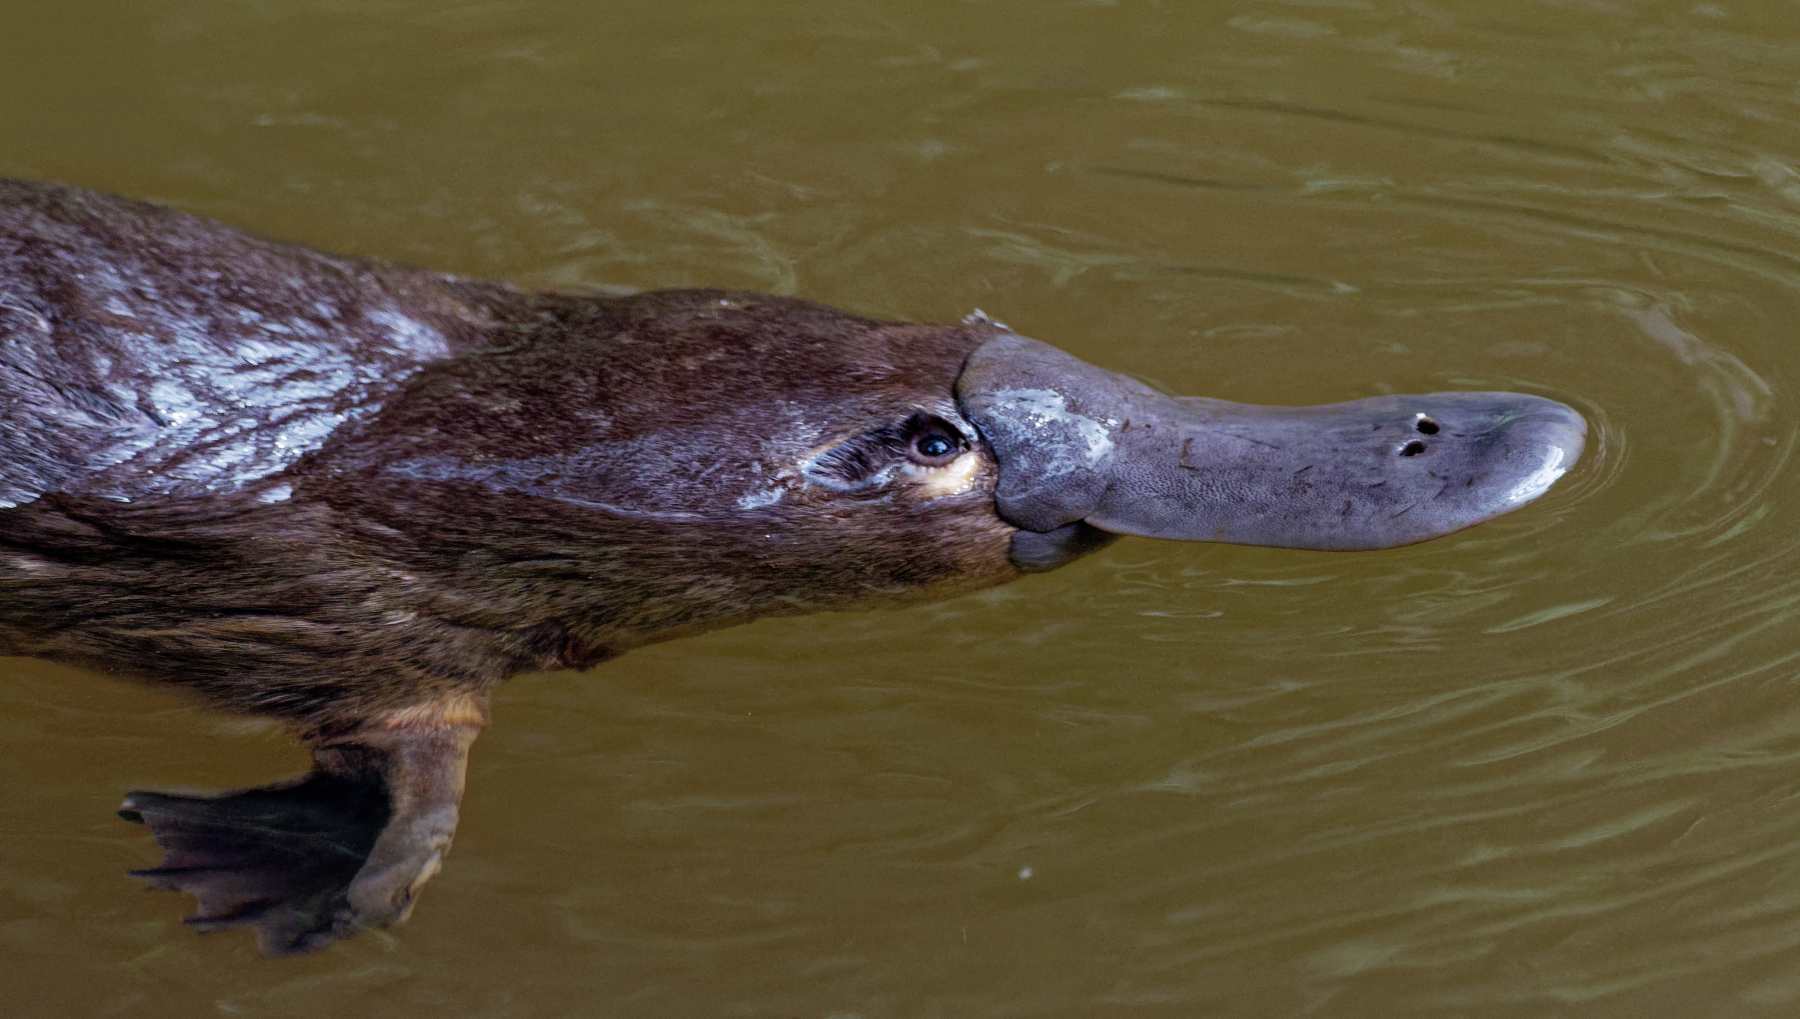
x: 931, y: 441
x: 925, y: 440
x: 935, y: 449
x: 933, y: 446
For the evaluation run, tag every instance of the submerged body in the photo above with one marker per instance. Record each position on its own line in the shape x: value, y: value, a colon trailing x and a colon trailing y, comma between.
x: 356, y: 497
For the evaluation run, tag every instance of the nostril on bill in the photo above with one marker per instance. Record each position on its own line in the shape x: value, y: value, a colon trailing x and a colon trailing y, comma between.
x: 1413, y: 448
x: 1425, y: 425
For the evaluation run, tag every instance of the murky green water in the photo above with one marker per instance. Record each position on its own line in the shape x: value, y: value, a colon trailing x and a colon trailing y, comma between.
x: 1550, y: 766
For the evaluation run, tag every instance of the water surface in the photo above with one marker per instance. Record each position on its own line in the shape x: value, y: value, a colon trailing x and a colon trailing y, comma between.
x: 1544, y: 767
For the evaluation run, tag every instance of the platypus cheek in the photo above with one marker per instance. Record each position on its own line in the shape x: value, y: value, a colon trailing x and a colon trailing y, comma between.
x: 954, y: 478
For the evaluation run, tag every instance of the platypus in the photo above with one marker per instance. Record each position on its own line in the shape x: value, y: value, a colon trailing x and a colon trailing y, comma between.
x: 355, y: 497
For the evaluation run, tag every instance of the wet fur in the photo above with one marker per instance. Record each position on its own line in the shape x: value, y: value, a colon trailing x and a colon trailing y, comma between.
x: 414, y: 486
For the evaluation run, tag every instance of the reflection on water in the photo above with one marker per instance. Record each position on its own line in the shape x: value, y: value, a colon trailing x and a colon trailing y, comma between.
x: 1544, y: 767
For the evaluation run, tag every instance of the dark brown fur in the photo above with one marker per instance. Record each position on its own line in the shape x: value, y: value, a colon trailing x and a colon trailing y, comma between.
x: 500, y: 482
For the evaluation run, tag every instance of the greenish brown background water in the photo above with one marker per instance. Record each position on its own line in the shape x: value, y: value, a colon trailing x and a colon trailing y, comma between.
x: 1547, y: 767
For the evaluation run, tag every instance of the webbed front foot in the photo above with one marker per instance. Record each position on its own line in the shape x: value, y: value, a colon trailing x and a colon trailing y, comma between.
x: 307, y: 862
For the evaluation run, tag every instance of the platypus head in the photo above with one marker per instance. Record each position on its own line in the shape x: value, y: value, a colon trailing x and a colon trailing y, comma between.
x: 981, y: 422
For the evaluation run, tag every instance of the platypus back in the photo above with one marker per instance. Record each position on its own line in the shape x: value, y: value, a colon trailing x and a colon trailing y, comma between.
x: 145, y: 351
